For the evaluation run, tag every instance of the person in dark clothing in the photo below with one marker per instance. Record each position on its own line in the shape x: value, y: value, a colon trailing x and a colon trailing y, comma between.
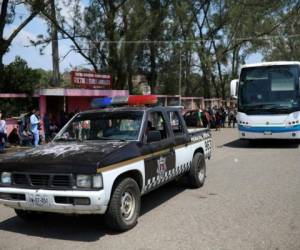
x: 232, y: 118
x: 13, y: 137
x: 218, y: 120
x: 46, y: 121
x: 204, y: 119
x: 63, y: 119
x: 26, y: 137
x: 223, y: 114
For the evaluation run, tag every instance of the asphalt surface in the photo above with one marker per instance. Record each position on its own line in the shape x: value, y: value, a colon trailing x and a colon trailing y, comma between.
x: 251, y: 200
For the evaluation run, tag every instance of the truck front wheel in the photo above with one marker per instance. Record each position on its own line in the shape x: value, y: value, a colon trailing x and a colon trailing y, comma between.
x: 124, y: 207
x: 197, y: 172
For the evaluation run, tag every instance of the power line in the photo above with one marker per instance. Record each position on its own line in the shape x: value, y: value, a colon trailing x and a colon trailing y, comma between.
x: 194, y: 41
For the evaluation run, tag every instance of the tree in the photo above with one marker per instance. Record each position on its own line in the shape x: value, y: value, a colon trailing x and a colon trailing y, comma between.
x: 199, y: 43
x: 7, y: 16
x: 285, y: 45
x: 18, y: 78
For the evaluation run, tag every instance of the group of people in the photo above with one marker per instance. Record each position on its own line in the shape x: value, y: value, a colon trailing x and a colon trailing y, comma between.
x: 25, y: 134
x: 217, y: 117
x: 29, y: 129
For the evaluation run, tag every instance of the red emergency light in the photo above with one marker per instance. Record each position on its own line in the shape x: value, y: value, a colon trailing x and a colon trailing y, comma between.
x: 142, y: 100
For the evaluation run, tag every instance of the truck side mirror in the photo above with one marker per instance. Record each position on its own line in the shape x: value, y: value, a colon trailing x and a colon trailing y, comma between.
x: 233, y: 88
x: 153, y: 136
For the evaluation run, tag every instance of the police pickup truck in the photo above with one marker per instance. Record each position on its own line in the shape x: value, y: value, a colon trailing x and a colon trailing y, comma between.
x: 102, y: 161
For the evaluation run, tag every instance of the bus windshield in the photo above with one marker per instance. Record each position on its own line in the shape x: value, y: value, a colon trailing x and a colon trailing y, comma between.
x: 269, y: 88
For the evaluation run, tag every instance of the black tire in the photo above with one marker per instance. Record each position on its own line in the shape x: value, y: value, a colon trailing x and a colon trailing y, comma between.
x: 28, y: 216
x: 126, y: 190
x: 197, y: 174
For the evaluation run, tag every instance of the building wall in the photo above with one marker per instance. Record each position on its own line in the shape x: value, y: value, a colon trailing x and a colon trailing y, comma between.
x: 82, y: 103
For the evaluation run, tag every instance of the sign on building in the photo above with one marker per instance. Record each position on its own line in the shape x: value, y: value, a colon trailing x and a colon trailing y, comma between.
x: 91, y: 80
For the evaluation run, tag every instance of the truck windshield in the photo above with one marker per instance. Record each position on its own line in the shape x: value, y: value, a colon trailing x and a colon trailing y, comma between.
x: 272, y: 89
x: 102, y: 126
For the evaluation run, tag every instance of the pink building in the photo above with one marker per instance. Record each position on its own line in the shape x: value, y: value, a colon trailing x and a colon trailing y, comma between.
x: 54, y: 100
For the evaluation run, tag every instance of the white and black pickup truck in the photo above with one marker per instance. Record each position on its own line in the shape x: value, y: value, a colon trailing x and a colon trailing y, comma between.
x: 102, y: 161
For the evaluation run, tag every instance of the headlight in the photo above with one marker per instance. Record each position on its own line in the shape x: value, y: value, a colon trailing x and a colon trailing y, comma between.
x: 6, y: 178
x: 84, y: 181
x: 97, y: 181
x: 89, y: 181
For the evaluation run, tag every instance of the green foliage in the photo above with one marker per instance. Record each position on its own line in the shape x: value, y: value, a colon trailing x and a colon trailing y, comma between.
x: 285, y: 45
x: 19, y: 78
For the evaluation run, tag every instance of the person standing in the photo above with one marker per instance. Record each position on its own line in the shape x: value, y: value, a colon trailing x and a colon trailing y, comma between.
x: 46, y: 121
x: 3, y: 133
x: 203, y: 118
x: 199, y: 118
x: 218, y: 119
x: 34, y: 126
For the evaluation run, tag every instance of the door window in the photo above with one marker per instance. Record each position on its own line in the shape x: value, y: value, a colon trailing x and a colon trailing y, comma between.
x: 176, y: 123
x: 157, y: 122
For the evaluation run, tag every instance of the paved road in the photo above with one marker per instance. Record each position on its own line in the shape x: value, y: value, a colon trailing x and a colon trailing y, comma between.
x: 251, y: 200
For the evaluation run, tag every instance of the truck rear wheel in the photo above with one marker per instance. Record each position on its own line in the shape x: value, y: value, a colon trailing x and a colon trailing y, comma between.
x: 197, y: 173
x: 124, y: 207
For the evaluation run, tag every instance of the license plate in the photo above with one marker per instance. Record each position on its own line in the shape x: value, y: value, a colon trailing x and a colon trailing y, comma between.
x: 37, y: 200
x: 267, y: 133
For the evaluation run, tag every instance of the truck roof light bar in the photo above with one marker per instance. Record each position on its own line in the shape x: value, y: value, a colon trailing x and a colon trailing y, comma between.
x: 132, y: 100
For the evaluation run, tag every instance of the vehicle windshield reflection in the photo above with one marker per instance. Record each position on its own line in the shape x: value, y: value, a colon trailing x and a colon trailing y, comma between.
x: 120, y: 126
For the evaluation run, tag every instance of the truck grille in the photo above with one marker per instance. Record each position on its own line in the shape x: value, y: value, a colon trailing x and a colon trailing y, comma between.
x: 20, y: 179
x: 61, y: 181
x: 39, y: 180
x: 42, y: 180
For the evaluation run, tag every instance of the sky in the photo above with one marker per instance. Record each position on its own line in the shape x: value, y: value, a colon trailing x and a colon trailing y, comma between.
x: 21, y: 45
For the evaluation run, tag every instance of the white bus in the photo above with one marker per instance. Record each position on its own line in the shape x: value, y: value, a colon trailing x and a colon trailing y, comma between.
x: 268, y: 100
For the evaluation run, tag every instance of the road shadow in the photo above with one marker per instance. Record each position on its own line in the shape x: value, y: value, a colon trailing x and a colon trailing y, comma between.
x: 84, y: 228
x: 161, y: 195
x: 265, y: 143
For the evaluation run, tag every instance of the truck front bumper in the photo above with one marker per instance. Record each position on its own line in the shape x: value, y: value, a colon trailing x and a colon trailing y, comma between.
x: 57, y: 201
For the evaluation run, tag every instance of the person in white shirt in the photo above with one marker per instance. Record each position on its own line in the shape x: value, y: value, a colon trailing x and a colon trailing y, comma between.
x: 34, y: 126
x: 3, y: 133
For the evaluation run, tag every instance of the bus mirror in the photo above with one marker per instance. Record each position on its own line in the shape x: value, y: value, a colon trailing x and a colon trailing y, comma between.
x: 234, y: 88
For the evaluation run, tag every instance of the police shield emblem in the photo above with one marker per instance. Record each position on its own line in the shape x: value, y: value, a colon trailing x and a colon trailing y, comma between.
x: 161, y: 166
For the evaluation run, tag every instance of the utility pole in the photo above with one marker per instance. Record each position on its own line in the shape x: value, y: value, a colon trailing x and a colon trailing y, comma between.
x: 179, y: 85
x: 54, y: 42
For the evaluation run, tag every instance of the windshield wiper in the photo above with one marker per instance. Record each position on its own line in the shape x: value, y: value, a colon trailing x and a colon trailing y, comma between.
x: 67, y: 140
x: 64, y: 139
x: 103, y: 138
x: 110, y: 139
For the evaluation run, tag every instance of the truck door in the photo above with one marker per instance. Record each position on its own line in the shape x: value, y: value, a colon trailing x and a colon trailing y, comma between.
x: 178, y: 128
x: 160, y: 164
x: 183, y: 153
